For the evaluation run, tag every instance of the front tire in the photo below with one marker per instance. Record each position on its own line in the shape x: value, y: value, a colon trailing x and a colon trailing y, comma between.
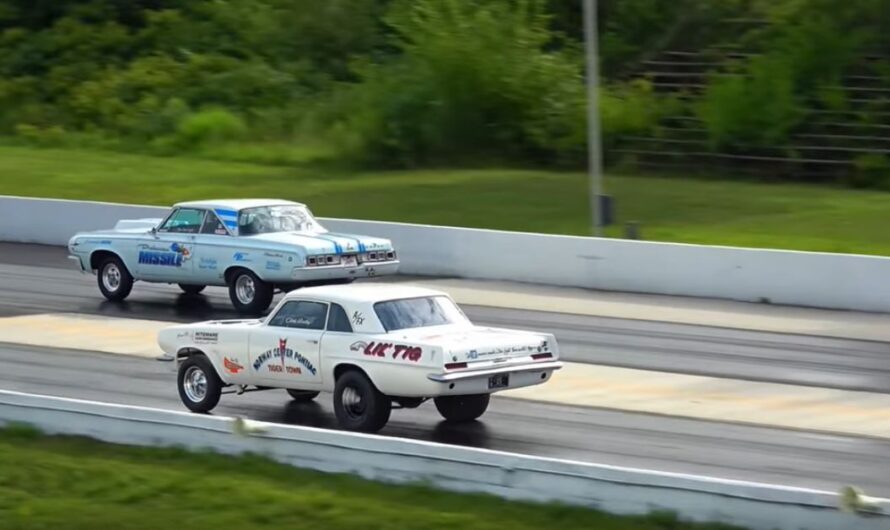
x: 199, y: 385
x: 248, y: 293
x: 191, y: 289
x: 462, y: 408
x: 358, y: 405
x: 115, y: 281
x: 302, y: 396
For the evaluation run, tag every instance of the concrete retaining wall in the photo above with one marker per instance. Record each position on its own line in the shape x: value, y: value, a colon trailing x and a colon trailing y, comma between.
x: 836, y: 281
x: 614, y: 489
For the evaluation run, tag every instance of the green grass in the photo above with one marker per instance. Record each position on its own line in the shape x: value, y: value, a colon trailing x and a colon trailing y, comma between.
x: 80, y: 484
x: 710, y: 211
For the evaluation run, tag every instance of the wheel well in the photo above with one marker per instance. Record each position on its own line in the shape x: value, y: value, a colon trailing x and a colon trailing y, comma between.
x: 232, y: 270
x: 188, y: 352
x: 341, y: 369
x: 97, y: 257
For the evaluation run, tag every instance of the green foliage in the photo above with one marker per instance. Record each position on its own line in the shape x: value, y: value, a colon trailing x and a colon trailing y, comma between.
x: 634, y: 108
x: 472, y: 78
x: 871, y: 171
x: 208, y: 127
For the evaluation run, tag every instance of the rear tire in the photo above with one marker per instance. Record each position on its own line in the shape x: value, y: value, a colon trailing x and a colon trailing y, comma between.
x: 191, y: 289
x: 358, y: 405
x: 199, y: 385
x: 462, y: 408
x: 115, y: 281
x: 248, y: 293
x: 302, y: 396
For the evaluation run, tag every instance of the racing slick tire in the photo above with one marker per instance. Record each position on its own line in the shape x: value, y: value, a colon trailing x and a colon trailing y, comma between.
x: 358, y: 405
x: 248, y: 293
x: 302, y: 396
x: 462, y: 408
x: 199, y: 385
x: 191, y: 289
x: 115, y: 281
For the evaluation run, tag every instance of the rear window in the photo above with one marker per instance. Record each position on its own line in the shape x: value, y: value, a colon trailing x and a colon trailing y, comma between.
x: 418, y: 313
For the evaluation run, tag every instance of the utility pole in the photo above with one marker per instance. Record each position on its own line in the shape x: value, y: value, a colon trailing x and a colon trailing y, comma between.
x: 594, y: 143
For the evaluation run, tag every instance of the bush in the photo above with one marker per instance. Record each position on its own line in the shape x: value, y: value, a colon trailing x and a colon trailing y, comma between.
x: 209, y: 127
x: 871, y: 171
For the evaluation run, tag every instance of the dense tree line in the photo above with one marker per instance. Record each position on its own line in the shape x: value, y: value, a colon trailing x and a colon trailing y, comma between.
x: 402, y: 82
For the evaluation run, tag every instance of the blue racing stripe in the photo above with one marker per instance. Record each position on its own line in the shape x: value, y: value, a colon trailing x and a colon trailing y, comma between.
x: 226, y: 213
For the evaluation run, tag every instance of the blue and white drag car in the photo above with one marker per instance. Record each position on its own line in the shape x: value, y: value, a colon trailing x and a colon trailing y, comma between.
x: 251, y: 246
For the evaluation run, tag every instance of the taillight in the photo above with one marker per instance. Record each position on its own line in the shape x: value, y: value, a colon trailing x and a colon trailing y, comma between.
x: 539, y: 356
x: 455, y: 366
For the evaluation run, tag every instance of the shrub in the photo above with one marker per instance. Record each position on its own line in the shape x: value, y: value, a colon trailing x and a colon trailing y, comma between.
x: 208, y: 127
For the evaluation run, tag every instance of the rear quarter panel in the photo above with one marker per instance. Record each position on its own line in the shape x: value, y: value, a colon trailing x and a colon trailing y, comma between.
x: 225, y: 345
x: 396, y: 368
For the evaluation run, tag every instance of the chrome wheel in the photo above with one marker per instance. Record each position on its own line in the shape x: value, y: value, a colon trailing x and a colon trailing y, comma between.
x: 353, y: 404
x: 245, y: 289
x: 195, y: 384
x: 111, y: 277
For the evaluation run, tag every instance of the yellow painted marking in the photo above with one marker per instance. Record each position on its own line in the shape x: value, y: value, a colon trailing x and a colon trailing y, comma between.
x: 709, y: 398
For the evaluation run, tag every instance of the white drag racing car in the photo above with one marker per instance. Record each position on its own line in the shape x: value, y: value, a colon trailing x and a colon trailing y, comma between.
x: 372, y: 345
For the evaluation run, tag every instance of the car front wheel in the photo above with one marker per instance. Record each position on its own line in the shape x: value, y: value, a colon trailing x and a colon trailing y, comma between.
x: 191, y: 289
x: 462, y: 408
x: 358, y: 405
x: 248, y: 293
x: 115, y: 281
x: 302, y: 396
x: 199, y: 385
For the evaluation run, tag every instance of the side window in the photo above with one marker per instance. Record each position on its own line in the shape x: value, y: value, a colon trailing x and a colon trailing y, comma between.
x: 184, y: 221
x: 338, y: 321
x: 212, y: 225
x: 301, y: 315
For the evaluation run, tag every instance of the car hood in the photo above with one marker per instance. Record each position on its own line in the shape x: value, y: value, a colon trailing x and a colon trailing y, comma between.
x: 325, y: 242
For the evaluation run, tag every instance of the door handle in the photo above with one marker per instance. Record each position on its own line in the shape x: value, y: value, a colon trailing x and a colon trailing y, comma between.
x: 313, y: 341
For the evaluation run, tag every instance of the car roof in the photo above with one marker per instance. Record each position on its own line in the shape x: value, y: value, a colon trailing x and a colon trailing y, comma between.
x: 368, y: 293
x: 235, y: 204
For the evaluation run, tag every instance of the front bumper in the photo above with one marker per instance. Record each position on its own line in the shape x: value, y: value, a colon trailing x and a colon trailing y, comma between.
x: 80, y: 266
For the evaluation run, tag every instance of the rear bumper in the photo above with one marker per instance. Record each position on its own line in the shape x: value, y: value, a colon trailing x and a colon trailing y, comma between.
x: 488, y: 372
x: 336, y: 272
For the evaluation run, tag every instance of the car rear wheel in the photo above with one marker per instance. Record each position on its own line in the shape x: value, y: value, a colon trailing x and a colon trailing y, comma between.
x: 199, y: 385
x: 358, y: 405
x: 115, y: 281
x: 462, y: 408
x: 302, y: 396
x: 191, y: 289
x: 248, y: 293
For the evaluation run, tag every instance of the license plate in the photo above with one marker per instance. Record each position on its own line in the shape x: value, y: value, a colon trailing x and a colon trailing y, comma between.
x: 350, y: 261
x: 499, y: 381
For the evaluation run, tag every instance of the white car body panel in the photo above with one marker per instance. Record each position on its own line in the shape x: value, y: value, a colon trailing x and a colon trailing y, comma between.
x: 403, y: 363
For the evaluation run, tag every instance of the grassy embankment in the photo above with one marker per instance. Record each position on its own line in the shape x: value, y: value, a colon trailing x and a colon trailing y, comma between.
x: 670, y: 209
x: 76, y: 484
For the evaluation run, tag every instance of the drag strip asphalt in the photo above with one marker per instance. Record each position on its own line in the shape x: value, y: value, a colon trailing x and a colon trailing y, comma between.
x: 40, y: 279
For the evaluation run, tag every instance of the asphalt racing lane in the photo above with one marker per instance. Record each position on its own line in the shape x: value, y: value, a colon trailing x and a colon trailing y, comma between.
x: 716, y: 449
x: 40, y: 279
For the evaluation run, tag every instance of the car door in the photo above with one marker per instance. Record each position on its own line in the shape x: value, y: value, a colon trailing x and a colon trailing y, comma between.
x: 166, y: 254
x: 285, y: 352
x: 212, y: 251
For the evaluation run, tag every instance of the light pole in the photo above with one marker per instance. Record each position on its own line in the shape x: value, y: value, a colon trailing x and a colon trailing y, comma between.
x: 594, y: 144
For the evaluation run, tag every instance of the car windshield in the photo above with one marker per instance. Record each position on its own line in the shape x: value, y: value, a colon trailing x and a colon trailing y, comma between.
x: 269, y: 219
x: 418, y: 313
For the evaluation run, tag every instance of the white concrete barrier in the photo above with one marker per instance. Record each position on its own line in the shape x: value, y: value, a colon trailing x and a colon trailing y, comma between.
x: 835, y: 281
x: 609, y: 488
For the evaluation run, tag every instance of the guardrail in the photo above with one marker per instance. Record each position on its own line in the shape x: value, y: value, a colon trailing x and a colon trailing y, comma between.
x: 609, y: 488
x: 836, y: 281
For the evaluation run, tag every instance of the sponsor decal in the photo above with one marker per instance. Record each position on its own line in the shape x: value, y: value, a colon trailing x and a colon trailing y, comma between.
x: 208, y: 264
x: 273, y: 255
x: 383, y: 349
x: 175, y: 256
x: 282, y: 353
x: 241, y: 257
x: 183, y: 334
x: 358, y: 318
x: 506, y: 350
x: 205, y: 337
x: 273, y: 266
x: 231, y: 366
